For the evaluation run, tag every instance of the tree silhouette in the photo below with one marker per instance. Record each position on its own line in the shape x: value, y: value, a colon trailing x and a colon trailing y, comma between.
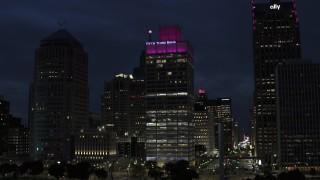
x: 36, y: 167
x: 180, y: 170
x: 155, y: 172
x: 101, y: 173
x: 57, y: 170
x: 6, y: 168
x: 282, y: 176
x: 296, y: 175
x: 313, y: 171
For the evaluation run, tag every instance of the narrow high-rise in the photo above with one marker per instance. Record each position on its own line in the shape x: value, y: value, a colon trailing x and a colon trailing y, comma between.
x: 58, y: 96
x: 123, y: 106
x: 169, y: 76
x: 203, y: 126
x: 222, y: 113
x: 276, y: 39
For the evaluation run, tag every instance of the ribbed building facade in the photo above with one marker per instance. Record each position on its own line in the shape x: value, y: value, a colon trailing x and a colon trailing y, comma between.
x: 298, y: 114
x: 276, y: 39
x: 169, y: 76
x: 58, y: 96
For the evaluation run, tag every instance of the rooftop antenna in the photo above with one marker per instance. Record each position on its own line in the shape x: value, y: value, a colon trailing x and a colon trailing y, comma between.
x: 150, y: 35
x: 63, y: 24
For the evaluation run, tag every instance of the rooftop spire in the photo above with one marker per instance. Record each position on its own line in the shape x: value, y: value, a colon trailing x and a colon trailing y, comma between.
x: 63, y: 24
x: 150, y: 35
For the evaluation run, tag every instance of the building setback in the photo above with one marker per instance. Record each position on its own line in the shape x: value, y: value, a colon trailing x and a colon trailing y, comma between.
x: 298, y: 114
x: 169, y: 77
x: 58, y: 96
x: 276, y: 39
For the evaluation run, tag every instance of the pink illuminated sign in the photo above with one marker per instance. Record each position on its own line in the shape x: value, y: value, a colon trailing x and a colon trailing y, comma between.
x: 202, y: 91
x: 167, y: 47
x: 170, y: 41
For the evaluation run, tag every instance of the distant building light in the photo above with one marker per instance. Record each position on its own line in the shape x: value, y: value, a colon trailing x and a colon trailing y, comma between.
x: 202, y: 91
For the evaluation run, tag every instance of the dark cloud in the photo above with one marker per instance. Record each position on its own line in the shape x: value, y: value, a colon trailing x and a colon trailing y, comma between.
x: 113, y: 33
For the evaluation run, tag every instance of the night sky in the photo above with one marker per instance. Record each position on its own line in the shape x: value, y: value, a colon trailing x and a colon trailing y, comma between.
x: 114, y: 32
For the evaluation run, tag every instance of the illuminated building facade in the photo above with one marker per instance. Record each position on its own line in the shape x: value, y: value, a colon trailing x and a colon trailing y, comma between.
x: 204, y: 126
x: 13, y: 136
x: 276, y: 38
x: 95, y: 146
x: 123, y: 111
x: 59, y: 96
x: 169, y: 77
x: 124, y: 106
x: 298, y: 114
x: 253, y: 132
x: 18, y: 142
x: 222, y: 113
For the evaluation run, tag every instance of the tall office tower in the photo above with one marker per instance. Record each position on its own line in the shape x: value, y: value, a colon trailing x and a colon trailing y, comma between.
x: 203, y: 126
x: 298, y: 114
x: 169, y: 97
x: 123, y: 110
x: 123, y: 106
x: 276, y: 38
x: 58, y: 96
x: 222, y: 113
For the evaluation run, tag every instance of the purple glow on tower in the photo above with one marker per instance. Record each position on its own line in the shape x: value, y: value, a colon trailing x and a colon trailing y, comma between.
x: 253, y: 16
x: 170, y: 42
x: 168, y: 47
x: 295, y: 12
x: 170, y: 33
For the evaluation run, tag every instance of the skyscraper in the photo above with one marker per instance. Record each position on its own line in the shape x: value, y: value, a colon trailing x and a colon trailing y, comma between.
x: 298, y: 114
x: 276, y: 39
x: 58, y: 96
x: 222, y: 113
x: 123, y: 109
x: 123, y: 106
x: 169, y: 97
x: 204, y: 126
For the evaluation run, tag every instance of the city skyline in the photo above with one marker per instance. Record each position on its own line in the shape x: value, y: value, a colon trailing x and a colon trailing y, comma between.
x: 105, y: 37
